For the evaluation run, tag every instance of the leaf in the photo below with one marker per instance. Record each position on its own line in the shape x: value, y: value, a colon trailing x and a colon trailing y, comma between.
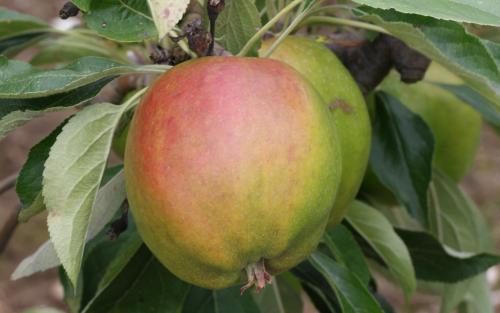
x: 36, y: 207
x: 494, y: 49
x: 14, y: 24
x: 457, y: 223
x: 290, y: 290
x: 121, y: 20
x: 401, y: 154
x: 454, y: 219
x: 279, y: 297
x: 72, y: 296
x: 486, y: 12
x: 167, y: 13
x: 380, y: 235
x: 228, y: 300
x: 13, y: 45
x: 474, y: 294
x: 144, y: 285
x: 22, y: 81
x: 16, y: 112
x: 447, y: 43
x: 68, y: 48
x: 237, y: 23
x: 100, y: 254
x: 355, y: 296
x: 83, y: 5
x: 270, y: 300
x: 435, y: 263
x: 106, y: 259
x: 72, y: 175
x: 319, y: 300
x: 29, y: 181
x: 108, y: 201
x: 347, y: 252
x: 474, y: 99
x: 44, y: 258
x: 317, y: 287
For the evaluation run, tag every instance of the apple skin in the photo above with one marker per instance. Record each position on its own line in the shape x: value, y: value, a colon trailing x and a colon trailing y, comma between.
x: 229, y: 162
x: 347, y: 105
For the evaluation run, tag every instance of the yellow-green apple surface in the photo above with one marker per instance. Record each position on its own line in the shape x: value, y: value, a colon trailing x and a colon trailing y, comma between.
x: 347, y: 107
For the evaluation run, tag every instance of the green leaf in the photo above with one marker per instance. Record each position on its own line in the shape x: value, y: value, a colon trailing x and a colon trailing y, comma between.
x: 72, y: 296
x: 401, y: 154
x: 84, y: 5
x: 494, y: 49
x: 347, y: 252
x: 35, y: 208
x: 166, y: 14
x: 68, y: 48
x: 29, y: 181
x: 14, y: 24
x: 279, y: 297
x: 457, y: 223
x: 435, y: 263
x: 270, y: 300
x: 486, y: 12
x: 100, y: 254
x: 71, y: 179
x: 42, y: 259
x: 317, y: 287
x: 121, y: 20
x: 380, y: 235
x: 13, y: 45
x: 354, y: 295
x: 319, y: 300
x: 108, y: 201
x: 22, y: 81
x: 290, y: 290
x: 474, y: 99
x: 144, y: 285
x: 16, y: 112
x: 228, y: 300
x: 105, y: 259
x: 454, y: 219
x: 237, y: 24
x: 447, y: 43
x: 473, y: 294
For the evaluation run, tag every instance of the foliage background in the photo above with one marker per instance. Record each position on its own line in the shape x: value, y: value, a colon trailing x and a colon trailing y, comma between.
x: 483, y: 184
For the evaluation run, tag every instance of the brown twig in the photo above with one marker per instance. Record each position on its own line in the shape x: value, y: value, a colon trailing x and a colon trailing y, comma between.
x: 8, y: 229
x: 214, y: 8
x: 8, y: 183
x: 120, y: 225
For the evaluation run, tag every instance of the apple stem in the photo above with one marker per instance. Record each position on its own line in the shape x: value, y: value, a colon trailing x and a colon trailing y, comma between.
x: 257, y: 275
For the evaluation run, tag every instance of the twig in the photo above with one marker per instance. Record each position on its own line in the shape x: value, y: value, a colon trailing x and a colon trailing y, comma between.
x: 8, y: 229
x: 120, y: 225
x: 8, y: 183
x: 214, y: 8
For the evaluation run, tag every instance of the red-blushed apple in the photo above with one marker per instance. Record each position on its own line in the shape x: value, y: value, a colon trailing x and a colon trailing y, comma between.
x: 232, y: 166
